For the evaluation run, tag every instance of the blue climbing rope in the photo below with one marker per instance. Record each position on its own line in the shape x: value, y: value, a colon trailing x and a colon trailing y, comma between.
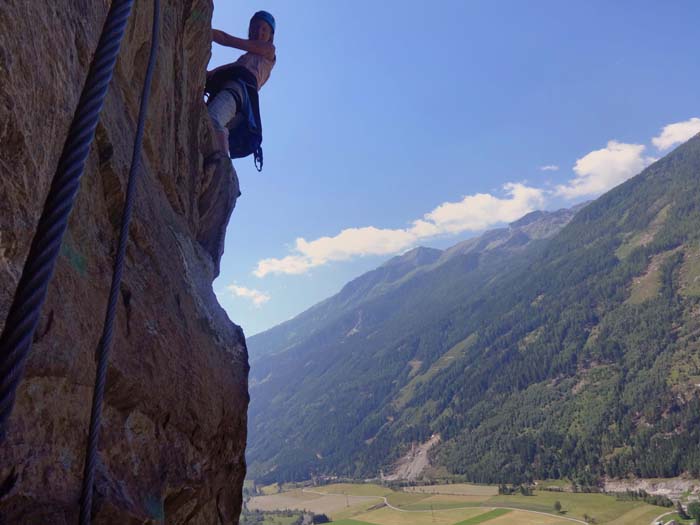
x: 107, y: 331
x: 23, y: 316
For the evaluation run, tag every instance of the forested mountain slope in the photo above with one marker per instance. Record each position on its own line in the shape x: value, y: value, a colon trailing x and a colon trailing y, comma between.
x: 285, y: 335
x: 374, y: 317
x: 578, y: 357
x: 495, y: 244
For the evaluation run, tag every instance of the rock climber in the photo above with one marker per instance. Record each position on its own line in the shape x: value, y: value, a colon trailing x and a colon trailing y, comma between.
x: 233, y: 89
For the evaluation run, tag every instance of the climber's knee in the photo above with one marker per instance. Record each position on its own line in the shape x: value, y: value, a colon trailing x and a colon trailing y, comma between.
x: 222, y: 110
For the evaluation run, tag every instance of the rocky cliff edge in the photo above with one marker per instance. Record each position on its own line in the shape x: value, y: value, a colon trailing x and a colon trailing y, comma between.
x: 174, y: 423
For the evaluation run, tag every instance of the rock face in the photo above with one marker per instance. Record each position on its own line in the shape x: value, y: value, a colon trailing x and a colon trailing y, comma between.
x: 174, y: 420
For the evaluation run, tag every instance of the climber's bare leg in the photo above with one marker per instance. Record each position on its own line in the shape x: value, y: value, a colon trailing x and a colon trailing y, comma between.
x: 222, y: 109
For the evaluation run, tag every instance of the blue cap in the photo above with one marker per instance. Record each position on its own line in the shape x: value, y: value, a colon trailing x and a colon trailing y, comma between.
x: 265, y: 17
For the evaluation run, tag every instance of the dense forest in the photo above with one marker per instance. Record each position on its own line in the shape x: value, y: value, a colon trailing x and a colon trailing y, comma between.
x: 570, y: 355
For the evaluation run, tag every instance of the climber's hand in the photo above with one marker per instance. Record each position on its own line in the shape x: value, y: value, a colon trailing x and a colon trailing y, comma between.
x: 218, y: 36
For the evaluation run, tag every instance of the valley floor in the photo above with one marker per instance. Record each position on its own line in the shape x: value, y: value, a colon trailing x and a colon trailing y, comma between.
x: 457, y: 504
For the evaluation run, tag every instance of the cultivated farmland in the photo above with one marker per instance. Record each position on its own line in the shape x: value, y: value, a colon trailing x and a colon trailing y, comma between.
x: 457, y: 504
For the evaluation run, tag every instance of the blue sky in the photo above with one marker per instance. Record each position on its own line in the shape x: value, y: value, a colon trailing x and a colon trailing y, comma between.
x: 400, y: 123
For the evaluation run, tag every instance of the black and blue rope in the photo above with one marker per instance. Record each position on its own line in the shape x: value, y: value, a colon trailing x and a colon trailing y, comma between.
x: 23, y: 316
x: 108, y: 328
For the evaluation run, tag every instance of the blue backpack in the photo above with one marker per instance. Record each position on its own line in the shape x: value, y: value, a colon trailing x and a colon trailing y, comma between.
x: 245, y: 131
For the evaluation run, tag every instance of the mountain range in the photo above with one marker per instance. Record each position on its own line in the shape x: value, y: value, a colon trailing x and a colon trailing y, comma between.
x: 564, y: 345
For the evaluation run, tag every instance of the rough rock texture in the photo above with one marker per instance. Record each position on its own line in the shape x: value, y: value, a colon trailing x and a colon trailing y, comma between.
x: 174, y: 433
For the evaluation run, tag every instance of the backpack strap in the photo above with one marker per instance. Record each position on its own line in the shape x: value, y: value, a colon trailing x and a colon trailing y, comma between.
x: 258, y: 159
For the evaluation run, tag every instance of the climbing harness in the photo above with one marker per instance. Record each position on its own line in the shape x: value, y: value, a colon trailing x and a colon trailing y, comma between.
x: 23, y: 316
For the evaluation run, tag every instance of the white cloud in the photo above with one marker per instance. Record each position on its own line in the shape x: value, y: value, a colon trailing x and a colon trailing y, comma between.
x: 472, y: 213
x: 257, y: 297
x: 603, y: 169
x: 595, y: 173
x: 677, y: 133
x: 482, y: 210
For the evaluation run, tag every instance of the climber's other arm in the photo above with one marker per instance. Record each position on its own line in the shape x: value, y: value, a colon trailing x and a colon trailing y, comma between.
x: 258, y: 47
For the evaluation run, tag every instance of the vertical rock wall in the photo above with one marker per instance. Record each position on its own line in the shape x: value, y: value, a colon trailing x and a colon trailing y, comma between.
x: 174, y: 432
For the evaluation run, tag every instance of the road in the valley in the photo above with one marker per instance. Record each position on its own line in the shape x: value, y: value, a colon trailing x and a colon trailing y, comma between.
x: 658, y: 518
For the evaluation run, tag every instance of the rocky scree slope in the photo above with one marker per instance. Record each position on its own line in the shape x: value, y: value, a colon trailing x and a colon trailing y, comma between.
x: 174, y: 421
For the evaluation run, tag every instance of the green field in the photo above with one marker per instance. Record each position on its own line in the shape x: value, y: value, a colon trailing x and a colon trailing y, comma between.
x: 355, y: 489
x: 486, y: 516
x: 351, y: 522
x: 464, y: 504
x: 279, y: 520
x: 270, y: 489
x: 562, y: 484
x: 458, y: 489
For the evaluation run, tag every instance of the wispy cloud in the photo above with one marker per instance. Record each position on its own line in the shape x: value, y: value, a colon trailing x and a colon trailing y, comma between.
x: 676, y: 133
x: 473, y: 213
x: 594, y: 173
x: 605, y: 168
x: 257, y: 297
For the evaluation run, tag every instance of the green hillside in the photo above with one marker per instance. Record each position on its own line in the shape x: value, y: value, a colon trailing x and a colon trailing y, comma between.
x: 362, y: 289
x: 574, y: 355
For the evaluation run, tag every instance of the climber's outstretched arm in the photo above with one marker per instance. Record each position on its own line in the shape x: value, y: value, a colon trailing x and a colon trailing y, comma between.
x: 257, y: 47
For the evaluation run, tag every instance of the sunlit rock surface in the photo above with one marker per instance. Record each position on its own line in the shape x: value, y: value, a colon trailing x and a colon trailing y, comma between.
x: 174, y: 422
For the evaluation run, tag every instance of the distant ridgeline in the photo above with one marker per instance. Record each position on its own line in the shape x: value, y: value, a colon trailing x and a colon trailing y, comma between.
x: 557, y: 347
